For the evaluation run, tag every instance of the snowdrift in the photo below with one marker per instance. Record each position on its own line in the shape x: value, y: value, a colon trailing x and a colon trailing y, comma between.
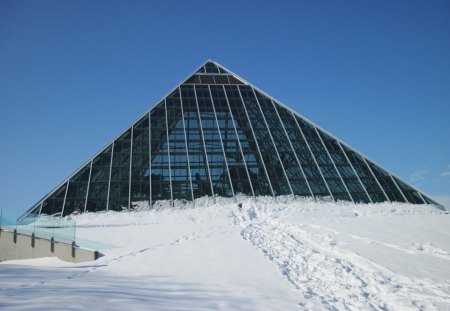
x: 263, y: 254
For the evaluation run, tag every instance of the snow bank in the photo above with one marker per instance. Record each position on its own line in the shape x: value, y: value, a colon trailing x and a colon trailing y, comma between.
x: 286, y: 253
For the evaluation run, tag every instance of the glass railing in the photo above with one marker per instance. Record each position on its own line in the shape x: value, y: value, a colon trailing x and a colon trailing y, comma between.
x: 47, y: 227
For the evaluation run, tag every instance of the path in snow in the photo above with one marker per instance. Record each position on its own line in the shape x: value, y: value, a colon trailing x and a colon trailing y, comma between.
x: 325, y: 272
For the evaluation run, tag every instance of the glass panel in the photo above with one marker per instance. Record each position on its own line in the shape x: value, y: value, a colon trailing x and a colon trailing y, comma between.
x: 217, y: 165
x: 30, y: 215
x: 181, y: 181
x: 254, y: 162
x: 234, y: 80
x: 366, y: 177
x: 120, y: 173
x: 411, y: 195
x: 193, y: 79
x: 52, y: 206
x: 235, y: 160
x: 140, y: 166
x: 98, y: 187
x: 268, y: 152
x: 287, y: 156
x: 211, y: 68
x: 309, y: 166
x: 429, y: 201
x: 221, y: 79
x: 326, y: 166
x: 76, y: 194
x: 201, y: 185
x: 387, y: 183
x: 207, y: 79
x: 160, y: 170
x: 345, y: 169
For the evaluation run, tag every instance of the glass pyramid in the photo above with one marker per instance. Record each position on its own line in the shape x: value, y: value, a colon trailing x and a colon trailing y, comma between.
x: 217, y: 135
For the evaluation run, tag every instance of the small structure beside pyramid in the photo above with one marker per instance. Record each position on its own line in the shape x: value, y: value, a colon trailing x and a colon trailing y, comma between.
x: 217, y: 135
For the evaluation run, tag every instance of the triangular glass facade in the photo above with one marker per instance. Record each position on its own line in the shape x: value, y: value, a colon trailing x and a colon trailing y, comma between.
x: 217, y: 135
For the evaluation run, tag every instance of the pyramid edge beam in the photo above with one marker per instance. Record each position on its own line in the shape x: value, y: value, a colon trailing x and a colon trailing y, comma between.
x: 441, y: 206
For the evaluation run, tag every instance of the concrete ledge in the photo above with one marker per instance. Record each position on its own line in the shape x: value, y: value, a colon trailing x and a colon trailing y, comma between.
x: 20, y: 246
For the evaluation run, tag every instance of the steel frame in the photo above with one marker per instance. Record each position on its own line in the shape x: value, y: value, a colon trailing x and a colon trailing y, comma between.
x: 221, y: 140
x: 148, y: 111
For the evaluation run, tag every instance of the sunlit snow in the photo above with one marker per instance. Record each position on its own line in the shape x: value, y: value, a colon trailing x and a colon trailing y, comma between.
x: 263, y: 255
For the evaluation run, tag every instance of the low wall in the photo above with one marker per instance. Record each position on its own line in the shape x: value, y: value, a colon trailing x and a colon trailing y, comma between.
x: 20, y: 247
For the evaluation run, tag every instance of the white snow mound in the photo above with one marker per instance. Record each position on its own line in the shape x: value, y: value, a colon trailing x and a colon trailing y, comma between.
x: 253, y: 254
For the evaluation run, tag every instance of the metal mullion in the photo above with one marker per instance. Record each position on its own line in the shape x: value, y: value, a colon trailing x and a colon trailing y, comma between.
x: 150, y: 159
x: 354, y: 171
x: 421, y: 196
x: 221, y: 141
x: 334, y: 164
x: 273, y: 142
x: 65, y: 197
x: 376, y: 179
x: 204, y: 145
x: 110, y: 171
x: 40, y: 207
x: 131, y: 163
x: 293, y: 150
x: 186, y: 144
x: 88, y: 186
x: 399, y: 189
x: 168, y: 153
x: 239, y: 141
x: 211, y: 74
x: 312, y: 155
x: 256, y: 141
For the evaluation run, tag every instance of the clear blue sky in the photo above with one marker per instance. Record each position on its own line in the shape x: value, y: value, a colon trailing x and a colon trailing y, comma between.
x: 75, y: 73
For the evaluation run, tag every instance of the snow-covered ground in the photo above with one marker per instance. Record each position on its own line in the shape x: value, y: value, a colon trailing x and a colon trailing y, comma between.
x: 265, y: 255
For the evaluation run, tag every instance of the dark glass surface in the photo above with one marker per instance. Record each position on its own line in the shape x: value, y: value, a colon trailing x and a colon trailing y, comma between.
x: 32, y: 213
x: 387, y: 183
x: 193, y: 80
x: 140, y: 166
x: 411, y: 195
x: 253, y: 159
x: 120, y: 173
x: 269, y: 154
x: 324, y: 161
x: 181, y: 180
x: 54, y: 203
x: 223, y: 137
x: 201, y: 184
x: 212, y: 79
x: 234, y: 156
x: 307, y: 162
x: 160, y: 169
x: 234, y: 80
x: 98, y: 186
x: 365, y: 175
x: 287, y: 158
x: 217, y: 166
x: 345, y: 169
x: 76, y: 194
x: 207, y: 79
x: 428, y: 200
x: 211, y: 68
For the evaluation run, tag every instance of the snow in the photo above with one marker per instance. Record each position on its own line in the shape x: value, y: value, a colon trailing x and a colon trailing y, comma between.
x: 284, y: 254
